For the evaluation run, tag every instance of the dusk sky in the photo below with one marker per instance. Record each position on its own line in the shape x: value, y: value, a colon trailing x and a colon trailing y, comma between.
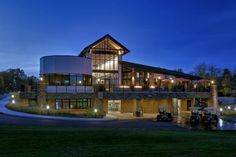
x: 169, y: 34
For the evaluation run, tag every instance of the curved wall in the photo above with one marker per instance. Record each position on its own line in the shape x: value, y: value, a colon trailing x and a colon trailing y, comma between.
x: 65, y: 65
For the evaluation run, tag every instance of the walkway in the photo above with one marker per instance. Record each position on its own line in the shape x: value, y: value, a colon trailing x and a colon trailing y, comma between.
x: 4, y: 110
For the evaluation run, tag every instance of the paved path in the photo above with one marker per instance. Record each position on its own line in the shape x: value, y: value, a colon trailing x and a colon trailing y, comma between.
x: 7, y: 111
x: 135, y: 123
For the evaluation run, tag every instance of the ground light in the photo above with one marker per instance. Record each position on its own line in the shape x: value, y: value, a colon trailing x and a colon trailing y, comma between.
x: 47, y: 107
x: 95, y: 110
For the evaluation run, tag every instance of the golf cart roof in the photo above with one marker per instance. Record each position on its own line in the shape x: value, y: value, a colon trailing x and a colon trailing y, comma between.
x: 209, y: 109
x: 195, y: 108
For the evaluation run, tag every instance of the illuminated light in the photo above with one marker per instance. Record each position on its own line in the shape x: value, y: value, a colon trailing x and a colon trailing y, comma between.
x: 12, y: 96
x: 138, y: 87
x: 124, y: 86
x: 95, y: 110
x: 41, y: 78
x: 80, y: 82
x: 120, y: 52
x: 229, y: 107
x: 212, y: 81
x: 152, y: 87
x: 159, y: 77
x: 172, y: 81
x: 133, y: 80
x: 146, y: 79
x: 13, y: 101
x: 221, y: 109
x: 98, y: 79
x: 47, y: 107
x: 235, y: 109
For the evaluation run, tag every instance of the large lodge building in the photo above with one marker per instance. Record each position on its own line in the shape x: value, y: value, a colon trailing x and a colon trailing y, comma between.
x: 98, y: 77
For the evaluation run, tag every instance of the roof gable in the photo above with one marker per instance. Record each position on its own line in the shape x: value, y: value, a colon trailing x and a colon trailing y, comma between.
x: 106, y: 42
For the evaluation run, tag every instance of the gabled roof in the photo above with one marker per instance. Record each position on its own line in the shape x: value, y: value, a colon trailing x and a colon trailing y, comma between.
x: 160, y: 70
x: 101, y: 39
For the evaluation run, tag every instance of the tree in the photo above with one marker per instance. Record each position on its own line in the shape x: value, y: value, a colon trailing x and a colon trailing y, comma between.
x: 226, y: 83
x: 208, y: 71
x: 1, y: 84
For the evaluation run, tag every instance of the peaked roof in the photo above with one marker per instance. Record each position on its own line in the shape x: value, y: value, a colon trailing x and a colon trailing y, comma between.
x: 101, y: 39
x: 161, y: 70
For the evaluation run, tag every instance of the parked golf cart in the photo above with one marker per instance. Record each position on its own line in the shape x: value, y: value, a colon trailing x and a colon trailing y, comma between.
x: 163, y: 115
x: 196, y: 115
x: 210, y: 115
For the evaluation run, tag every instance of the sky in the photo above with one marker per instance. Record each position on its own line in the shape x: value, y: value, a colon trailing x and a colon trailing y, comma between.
x: 170, y: 34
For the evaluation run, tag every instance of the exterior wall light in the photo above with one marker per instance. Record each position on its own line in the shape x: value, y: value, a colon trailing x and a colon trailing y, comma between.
x: 80, y: 82
x: 159, y: 77
x: 229, y: 107
x: 221, y: 109
x: 124, y: 86
x: 13, y: 101
x: 212, y: 81
x: 41, y: 78
x: 12, y: 96
x: 98, y: 79
x: 152, y: 87
x: 95, y: 110
x: 47, y: 107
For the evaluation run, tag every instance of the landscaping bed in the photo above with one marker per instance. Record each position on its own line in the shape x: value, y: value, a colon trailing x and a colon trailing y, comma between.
x: 89, y: 113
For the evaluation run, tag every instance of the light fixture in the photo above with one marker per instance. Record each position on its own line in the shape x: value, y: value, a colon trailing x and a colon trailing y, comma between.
x: 212, y: 81
x: 41, y: 78
x: 98, y: 79
x: 152, y: 87
x: 47, y: 107
x: 221, y: 109
x: 137, y: 86
x: 229, y: 107
x: 80, y: 82
x: 172, y: 81
x: 124, y: 86
x: 95, y: 110
x: 159, y: 77
x: 235, y: 109
x: 12, y: 96
x: 13, y: 101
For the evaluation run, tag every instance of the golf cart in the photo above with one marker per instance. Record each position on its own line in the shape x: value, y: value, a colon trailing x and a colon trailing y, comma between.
x: 196, y: 115
x: 163, y: 115
x: 210, y: 115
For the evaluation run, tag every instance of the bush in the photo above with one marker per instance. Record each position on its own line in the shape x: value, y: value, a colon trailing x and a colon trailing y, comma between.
x: 52, y: 112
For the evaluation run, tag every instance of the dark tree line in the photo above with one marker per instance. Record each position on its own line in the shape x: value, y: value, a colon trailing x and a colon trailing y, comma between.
x: 225, y: 79
x: 13, y: 80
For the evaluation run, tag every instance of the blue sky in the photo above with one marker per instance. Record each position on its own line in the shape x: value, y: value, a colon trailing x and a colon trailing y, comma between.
x: 166, y: 33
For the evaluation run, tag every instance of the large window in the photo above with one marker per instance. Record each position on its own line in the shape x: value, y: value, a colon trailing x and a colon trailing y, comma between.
x: 68, y: 80
x: 82, y: 103
x: 105, y: 61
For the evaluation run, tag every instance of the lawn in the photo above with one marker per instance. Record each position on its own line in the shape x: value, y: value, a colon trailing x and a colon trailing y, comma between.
x: 29, y: 141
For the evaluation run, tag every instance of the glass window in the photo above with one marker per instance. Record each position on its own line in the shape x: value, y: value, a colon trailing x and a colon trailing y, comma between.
x: 73, y: 80
x: 79, y: 79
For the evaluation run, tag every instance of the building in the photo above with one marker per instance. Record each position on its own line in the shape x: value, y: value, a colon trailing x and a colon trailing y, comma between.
x: 99, y: 78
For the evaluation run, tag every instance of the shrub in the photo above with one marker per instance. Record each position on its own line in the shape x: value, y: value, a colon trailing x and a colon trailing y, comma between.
x: 33, y: 109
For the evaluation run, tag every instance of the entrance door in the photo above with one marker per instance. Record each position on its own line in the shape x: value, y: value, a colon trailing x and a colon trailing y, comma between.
x: 114, y: 105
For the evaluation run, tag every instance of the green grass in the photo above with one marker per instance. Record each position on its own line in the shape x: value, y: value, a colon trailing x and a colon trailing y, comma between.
x: 29, y: 141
